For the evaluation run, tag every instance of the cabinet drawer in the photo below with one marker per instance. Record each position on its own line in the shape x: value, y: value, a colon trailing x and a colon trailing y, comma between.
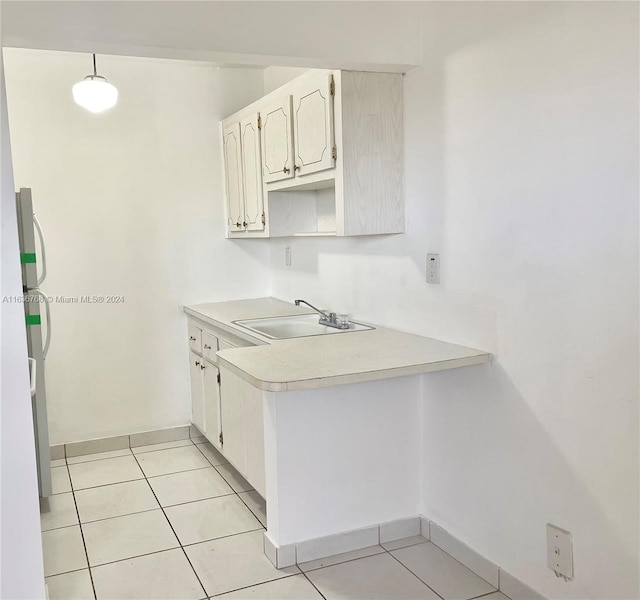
x: 195, y: 339
x: 209, y: 346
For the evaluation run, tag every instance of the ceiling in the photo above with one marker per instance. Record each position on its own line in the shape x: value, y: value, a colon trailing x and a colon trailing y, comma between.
x: 382, y: 36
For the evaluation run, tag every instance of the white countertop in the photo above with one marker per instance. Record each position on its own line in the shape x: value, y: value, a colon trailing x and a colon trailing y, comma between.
x: 325, y: 360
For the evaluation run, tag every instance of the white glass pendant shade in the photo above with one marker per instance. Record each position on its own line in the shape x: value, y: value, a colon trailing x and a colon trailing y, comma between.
x: 95, y: 93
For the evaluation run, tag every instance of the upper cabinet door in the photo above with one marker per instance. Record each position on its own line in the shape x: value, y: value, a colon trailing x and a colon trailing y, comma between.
x: 252, y: 173
x: 313, y: 126
x: 277, y: 141
x: 233, y: 172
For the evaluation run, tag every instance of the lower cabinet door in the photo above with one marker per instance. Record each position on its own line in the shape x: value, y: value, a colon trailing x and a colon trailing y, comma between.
x: 197, y: 391
x: 233, y: 423
x: 211, y: 404
x: 243, y: 428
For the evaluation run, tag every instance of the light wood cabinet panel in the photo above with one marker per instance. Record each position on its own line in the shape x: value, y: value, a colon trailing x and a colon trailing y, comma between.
x: 331, y: 143
x: 233, y: 426
x: 372, y: 146
x: 233, y: 180
x: 252, y: 173
x: 197, y: 391
x: 211, y: 389
x: 313, y: 126
x: 277, y: 141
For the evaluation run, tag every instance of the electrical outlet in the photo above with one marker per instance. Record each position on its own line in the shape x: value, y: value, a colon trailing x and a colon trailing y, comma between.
x: 287, y: 256
x: 559, y: 551
x: 433, y: 268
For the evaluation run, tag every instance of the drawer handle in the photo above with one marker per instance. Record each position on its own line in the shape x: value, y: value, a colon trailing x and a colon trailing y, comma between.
x: 192, y: 338
x: 206, y: 347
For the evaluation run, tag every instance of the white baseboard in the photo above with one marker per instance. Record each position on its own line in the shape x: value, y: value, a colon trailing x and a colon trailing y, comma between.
x: 307, y: 550
x: 120, y: 442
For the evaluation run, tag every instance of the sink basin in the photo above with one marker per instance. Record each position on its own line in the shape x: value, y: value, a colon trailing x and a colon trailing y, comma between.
x: 281, y: 328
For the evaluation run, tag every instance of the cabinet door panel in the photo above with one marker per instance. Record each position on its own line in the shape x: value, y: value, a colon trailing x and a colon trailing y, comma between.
x: 313, y: 126
x: 252, y: 173
x: 253, y: 415
x: 197, y: 392
x: 233, y: 423
x: 233, y: 178
x: 211, y: 404
x: 277, y: 141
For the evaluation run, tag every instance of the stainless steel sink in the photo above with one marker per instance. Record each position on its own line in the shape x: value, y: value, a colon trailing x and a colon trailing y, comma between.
x: 280, y: 328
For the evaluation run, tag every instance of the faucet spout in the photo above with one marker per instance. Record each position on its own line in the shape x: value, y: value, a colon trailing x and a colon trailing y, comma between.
x: 324, y: 314
x: 330, y: 320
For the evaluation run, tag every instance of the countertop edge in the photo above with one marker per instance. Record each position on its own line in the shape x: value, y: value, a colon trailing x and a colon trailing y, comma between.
x: 322, y: 382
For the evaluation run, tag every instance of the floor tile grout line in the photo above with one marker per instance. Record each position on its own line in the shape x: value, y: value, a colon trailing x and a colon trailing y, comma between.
x: 177, y: 547
x: 468, y: 569
x: 410, y: 571
x: 247, y: 587
x: 174, y: 532
x: 67, y: 572
x: 84, y: 543
x: 139, y: 512
x: 339, y: 563
x: 81, y: 462
x: 313, y: 584
x: 487, y: 594
x: 93, y: 487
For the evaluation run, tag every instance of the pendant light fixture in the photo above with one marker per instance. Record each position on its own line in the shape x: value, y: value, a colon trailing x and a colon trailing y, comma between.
x: 94, y: 92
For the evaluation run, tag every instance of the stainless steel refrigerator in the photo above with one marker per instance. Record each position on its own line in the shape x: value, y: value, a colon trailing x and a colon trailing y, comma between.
x: 36, y: 306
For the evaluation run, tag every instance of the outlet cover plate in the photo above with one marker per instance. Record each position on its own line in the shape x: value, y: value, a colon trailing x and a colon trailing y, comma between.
x: 559, y: 551
x: 433, y: 268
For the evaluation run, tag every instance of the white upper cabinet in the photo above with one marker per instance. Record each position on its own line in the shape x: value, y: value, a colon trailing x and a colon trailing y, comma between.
x: 252, y: 172
x: 313, y: 125
x: 277, y: 140
x: 233, y: 178
x: 331, y: 149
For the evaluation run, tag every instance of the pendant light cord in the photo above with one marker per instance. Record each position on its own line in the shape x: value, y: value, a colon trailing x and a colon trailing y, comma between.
x: 95, y: 72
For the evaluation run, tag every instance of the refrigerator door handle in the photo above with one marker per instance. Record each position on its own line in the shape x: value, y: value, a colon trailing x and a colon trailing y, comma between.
x: 47, y: 309
x: 42, y: 250
x: 32, y: 375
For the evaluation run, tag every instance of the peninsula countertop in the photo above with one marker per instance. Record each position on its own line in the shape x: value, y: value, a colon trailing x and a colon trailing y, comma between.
x: 325, y: 360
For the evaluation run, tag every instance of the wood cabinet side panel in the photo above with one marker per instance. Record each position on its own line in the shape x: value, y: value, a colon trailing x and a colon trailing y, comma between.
x: 372, y: 153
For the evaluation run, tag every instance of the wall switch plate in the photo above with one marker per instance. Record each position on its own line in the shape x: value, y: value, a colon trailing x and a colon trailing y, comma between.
x: 433, y: 268
x: 287, y: 256
x: 559, y: 551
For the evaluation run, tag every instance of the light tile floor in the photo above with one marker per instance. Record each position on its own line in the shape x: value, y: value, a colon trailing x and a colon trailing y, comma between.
x: 174, y: 521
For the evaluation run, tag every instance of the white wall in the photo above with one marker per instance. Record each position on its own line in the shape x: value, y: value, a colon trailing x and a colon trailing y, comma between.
x: 131, y: 204
x: 274, y: 77
x: 521, y: 170
x: 21, y: 570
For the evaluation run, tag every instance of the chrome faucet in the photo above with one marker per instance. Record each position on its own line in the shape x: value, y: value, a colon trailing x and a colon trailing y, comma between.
x: 330, y: 320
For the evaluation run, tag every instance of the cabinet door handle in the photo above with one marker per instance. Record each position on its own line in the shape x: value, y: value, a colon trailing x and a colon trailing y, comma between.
x: 197, y: 363
x: 238, y: 224
x: 207, y: 347
x: 192, y: 338
x: 202, y: 367
x: 286, y: 170
x: 244, y: 223
x: 296, y: 167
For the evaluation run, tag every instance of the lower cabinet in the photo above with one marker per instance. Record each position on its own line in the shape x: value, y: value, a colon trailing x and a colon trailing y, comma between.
x: 225, y: 408
x: 243, y: 428
x: 211, y: 385
x: 197, y: 390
